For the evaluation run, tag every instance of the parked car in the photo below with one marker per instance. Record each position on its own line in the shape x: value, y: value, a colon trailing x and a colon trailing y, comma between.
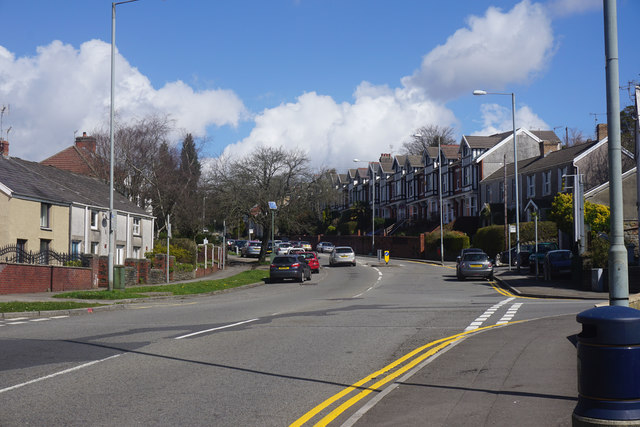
x: 525, y: 250
x: 342, y: 255
x: 468, y: 251
x: 325, y: 247
x: 252, y: 249
x: 283, y: 248
x: 296, y: 251
x: 289, y: 267
x: 557, y: 263
x: 312, y: 259
x: 474, y: 264
x: 305, y: 245
x: 238, y: 245
x: 537, y: 257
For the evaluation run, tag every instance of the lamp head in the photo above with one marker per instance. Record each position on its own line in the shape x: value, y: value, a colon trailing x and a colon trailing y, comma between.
x: 479, y: 92
x: 356, y: 160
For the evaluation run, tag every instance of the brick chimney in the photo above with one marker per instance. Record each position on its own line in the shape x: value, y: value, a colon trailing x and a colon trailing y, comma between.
x: 547, y: 147
x: 385, y: 156
x: 601, y: 131
x: 4, y: 148
x: 87, y: 143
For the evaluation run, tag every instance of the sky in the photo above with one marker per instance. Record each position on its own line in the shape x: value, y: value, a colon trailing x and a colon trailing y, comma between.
x: 337, y: 79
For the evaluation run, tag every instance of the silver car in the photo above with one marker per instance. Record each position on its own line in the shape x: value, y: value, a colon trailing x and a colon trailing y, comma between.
x: 325, y: 247
x: 252, y: 249
x: 474, y: 265
x: 342, y: 255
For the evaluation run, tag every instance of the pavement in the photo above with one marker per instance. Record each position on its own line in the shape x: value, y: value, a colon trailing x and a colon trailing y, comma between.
x: 524, y: 374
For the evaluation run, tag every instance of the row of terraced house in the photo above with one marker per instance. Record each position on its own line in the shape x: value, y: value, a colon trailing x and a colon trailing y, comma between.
x: 477, y: 172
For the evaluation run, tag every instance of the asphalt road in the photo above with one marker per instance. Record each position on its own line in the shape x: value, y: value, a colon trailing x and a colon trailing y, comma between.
x: 270, y: 355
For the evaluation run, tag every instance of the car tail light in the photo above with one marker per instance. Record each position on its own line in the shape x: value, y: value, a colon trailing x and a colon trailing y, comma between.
x: 273, y: 266
x: 296, y: 265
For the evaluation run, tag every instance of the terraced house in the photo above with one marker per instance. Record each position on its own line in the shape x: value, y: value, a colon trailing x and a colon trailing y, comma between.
x: 44, y: 208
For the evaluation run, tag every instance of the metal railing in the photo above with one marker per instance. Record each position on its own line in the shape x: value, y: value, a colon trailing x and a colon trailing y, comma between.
x: 15, y: 254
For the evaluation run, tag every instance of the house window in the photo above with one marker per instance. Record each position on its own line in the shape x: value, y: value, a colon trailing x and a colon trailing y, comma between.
x: 513, y: 189
x: 136, y: 251
x: 45, y: 213
x: 95, y: 246
x: 94, y: 220
x: 136, y: 226
x: 546, y: 182
x: 489, y: 193
x: 531, y: 186
x: 466, y: 176
x: 75, y: 249
x: 501, y: 190
x: 473, y: 206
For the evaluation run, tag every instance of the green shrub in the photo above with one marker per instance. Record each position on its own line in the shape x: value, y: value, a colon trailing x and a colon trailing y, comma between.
x: 348, y: 228
x: 76, y: 263
x: 453, y: 242
x: 183, y: 267
x: 332, y: 230
x: 490, y: 239
x: 182, y: 249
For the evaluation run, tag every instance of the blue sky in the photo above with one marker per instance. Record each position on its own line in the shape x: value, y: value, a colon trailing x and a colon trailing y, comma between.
x: 337, y: 79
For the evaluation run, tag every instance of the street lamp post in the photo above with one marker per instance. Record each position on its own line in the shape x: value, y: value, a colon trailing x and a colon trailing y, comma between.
x: 273, y: 207
x: 373, y: 206
x: 112, y: 236
x: 515, y: 163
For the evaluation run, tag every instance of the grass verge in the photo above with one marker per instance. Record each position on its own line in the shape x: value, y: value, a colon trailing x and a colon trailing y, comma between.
x: 19, y: 306
x: 204, y: 286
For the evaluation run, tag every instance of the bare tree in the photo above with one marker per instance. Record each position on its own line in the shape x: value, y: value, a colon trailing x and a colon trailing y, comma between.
x: 244, y: 188
x: 428, y: 136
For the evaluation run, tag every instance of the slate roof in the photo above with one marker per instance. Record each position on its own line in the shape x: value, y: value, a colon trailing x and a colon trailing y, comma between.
x: 534, y: 164
x: 38, y: 182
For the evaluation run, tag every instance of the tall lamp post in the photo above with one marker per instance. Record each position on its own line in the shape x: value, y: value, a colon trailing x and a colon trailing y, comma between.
x: 273, y: 207
x: 515, y: 164
x: 112, y: 236
x: 373, y: 206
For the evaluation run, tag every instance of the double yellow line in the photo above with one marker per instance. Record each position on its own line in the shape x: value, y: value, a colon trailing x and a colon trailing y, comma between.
x: 388, y: 373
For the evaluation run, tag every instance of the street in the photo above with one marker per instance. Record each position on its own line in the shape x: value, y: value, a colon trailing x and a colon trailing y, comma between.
x: 271, y: 355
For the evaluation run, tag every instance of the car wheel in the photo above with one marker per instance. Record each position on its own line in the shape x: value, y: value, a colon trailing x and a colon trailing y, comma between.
x: 301, y: 277
x: 354, y: 264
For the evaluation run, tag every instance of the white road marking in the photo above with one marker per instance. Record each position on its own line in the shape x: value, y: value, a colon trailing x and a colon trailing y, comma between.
x: 488, y: 313
x: 66, y: 371
x: 509, y: 314
x: 216, y: 329
x: 17, y: 318
x: 40, y: 319
x: 15, y: 323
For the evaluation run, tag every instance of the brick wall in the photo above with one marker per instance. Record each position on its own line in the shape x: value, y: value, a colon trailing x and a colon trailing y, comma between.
x: 22, y: 278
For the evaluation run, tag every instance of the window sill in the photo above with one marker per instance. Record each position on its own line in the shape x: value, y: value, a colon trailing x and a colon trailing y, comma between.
x: 46, y: 229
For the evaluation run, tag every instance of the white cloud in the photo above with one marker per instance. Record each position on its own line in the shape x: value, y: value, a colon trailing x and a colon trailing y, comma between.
x: 560, y: 8
x: 496, y: 119
x: 495, y: 50
x: 62, y: 89
x: 333, y: 134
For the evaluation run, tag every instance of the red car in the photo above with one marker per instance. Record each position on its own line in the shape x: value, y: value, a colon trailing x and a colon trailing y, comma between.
x: 312, y: 260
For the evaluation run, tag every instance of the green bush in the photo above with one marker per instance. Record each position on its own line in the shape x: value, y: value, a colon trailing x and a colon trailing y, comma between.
x: 183, y: 249
x: 332, y: 230
x: 76, y: 263
x: 183, y: 267
x: 490, y: 239
x: 348, y: 228
x: 453, y: 242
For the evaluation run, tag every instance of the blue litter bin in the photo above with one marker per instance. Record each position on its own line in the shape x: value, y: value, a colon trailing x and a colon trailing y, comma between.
x: 608, y: 365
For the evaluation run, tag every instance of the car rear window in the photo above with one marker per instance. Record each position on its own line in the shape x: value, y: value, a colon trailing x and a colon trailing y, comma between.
x: 344, y: 250
x: 475, y: 257
x: 282, y: 260
x: 560, y: 256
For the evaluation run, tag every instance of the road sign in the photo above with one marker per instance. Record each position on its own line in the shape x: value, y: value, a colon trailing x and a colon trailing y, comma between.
x: 386, y: 257
x: 512, y: 228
